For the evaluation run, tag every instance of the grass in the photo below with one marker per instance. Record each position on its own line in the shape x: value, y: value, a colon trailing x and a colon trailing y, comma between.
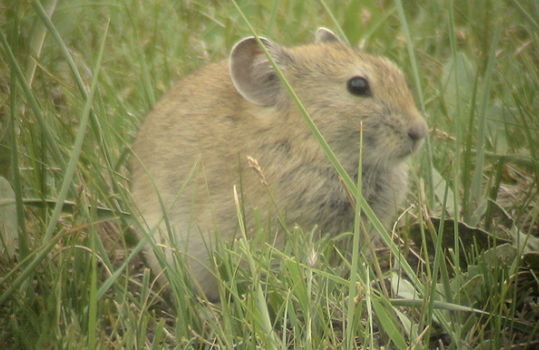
x: 77, y: 77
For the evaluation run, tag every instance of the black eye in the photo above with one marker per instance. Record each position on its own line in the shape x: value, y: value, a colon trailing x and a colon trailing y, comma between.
x: 359, y: 86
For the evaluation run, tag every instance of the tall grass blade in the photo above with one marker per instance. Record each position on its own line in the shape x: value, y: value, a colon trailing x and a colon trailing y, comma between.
x: 16, y: 175
x: 419, y: 91
x: 482, y: 118
x: 33, y: 103
x: 92, y: 314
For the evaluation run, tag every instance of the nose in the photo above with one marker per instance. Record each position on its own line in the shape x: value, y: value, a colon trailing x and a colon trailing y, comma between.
x: 418, y: 130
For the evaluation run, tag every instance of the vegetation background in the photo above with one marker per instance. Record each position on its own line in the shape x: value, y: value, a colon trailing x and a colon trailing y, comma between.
x: 77, y: 77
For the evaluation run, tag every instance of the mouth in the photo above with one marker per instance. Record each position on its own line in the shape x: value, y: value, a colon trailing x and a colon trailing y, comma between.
x: 416, y: 146
x: 399, y: 154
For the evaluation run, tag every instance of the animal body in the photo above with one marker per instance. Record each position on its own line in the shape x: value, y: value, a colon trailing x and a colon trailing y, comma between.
x: 193, y: 148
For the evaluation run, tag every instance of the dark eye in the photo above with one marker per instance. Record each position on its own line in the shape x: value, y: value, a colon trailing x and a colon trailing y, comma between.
x: 359, y: 86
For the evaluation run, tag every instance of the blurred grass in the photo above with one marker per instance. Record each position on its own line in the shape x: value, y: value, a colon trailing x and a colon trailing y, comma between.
x: 77, y: 282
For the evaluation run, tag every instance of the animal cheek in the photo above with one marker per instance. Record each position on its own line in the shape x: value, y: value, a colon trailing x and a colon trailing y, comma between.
x: 368, y: 140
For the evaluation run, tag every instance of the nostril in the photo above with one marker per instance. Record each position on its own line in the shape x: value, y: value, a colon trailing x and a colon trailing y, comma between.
x: 418, y: 131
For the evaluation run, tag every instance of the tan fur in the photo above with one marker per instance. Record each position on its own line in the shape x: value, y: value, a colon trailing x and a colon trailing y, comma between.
x: 214, y: 118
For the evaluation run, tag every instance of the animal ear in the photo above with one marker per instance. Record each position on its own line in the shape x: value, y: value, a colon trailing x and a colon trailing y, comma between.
x: 252, y: 73
x: 324, y: 35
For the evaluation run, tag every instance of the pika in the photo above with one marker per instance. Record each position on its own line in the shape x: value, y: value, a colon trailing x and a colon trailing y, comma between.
x: 192, y: 149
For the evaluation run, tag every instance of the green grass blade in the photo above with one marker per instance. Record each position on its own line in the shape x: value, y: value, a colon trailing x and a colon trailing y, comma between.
x: 30, y: 264
x: 389, y: 324
x: 411, y: 54
x: 92, y: 321
x: 24, y: 248
x: 33, y: 103
x: 350, y: 185
x: 73, y: 160
x: 428, y: 151
x: 482, y: 117
x: 109, y: 282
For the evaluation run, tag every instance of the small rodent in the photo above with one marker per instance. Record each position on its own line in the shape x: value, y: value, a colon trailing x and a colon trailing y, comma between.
x: 192, y: 148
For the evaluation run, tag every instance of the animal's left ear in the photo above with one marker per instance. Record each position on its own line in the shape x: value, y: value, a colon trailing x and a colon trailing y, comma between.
x: 324, y: 35
x: 252, y: 73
